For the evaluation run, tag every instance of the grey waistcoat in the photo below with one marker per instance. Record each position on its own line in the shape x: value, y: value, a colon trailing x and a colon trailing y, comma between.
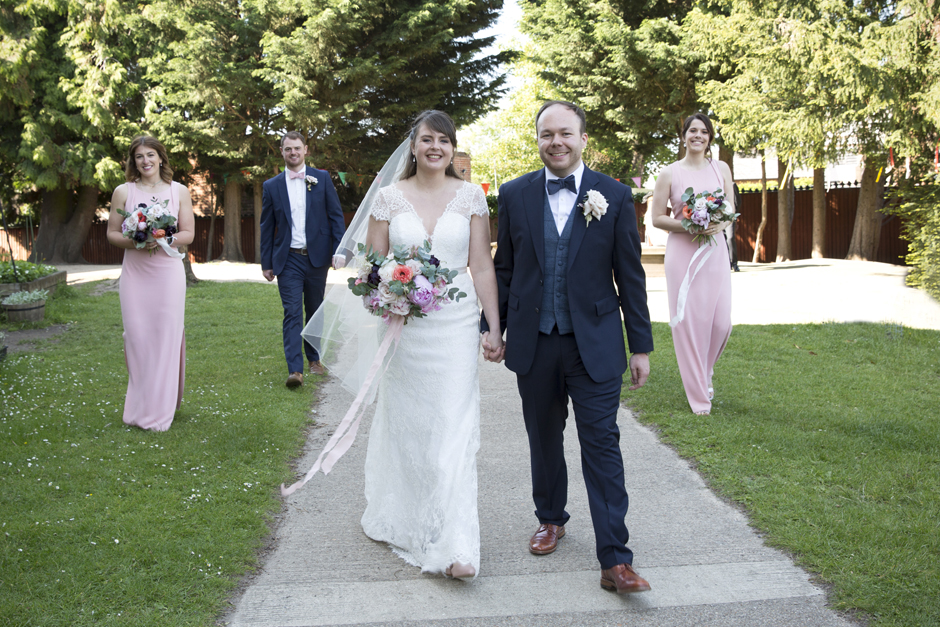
x: 555, y: 311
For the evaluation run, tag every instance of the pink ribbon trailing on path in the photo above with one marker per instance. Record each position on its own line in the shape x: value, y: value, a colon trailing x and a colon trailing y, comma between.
x: 346, y: 431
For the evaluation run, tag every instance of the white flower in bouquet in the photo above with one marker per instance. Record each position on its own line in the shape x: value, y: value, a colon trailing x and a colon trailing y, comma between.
x: 415, y: 266
x: 401, y: 306
x: 386, y: 271
x: 386, y: 296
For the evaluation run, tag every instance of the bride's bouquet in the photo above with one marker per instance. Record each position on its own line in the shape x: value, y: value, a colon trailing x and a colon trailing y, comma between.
x: 148, y: 223
x: 408, y: 282
x: 704, y: 209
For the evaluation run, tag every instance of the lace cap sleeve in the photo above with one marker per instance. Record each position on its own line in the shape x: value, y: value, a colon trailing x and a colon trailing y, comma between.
x: 478, y: 206
x: 380, y: 208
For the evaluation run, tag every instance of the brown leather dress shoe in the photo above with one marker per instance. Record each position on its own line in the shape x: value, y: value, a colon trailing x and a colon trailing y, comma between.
x: 317, y: 368
x: 296, y: 379
x: 545, y: 539
x: 623, y: 579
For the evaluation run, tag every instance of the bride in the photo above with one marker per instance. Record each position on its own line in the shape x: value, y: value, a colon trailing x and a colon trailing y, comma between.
x: 420, y: 471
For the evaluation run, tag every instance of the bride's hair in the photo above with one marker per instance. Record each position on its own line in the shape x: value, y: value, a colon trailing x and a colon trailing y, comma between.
x: 436, y: 121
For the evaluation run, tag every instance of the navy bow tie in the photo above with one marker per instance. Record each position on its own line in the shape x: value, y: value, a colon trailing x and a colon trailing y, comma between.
x: 556, y: 184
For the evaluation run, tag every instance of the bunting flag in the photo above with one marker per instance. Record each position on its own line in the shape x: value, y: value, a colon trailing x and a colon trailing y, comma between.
x: 891, y: 156
x: 342, y: 177
x: 486, y: 188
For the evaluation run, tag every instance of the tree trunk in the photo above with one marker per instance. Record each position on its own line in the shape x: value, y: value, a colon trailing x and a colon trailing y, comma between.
x: 759, y: 240
x: 79, y: 225
x: 232, y: 237
x: 867, y: 232
x: 819, y: 213
x: 211, y: 237
x: 727, y: 155
x: 785, y: 199
x: 64, y: 224
x: 259, y: 189
x: 188, y: 266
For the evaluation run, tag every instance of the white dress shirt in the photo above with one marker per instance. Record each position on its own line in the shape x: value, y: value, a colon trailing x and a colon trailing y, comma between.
x: 297, y: 193
x: 563, y: 201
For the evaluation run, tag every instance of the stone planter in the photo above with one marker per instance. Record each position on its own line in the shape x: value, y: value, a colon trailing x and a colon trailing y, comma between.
x: 27, y: 312
x: 50, y: 282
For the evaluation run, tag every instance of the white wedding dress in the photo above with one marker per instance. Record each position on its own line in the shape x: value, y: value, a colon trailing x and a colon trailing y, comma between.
x: 421, y: 474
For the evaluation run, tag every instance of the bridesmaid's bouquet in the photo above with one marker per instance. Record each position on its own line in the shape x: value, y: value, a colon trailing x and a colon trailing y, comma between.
x: 704, y: 209
x: 408, y: 282
x: 148, y: 223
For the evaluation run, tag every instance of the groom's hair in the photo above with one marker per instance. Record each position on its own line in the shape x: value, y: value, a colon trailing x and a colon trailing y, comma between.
x: 568, y: 105
x: 294, y: 135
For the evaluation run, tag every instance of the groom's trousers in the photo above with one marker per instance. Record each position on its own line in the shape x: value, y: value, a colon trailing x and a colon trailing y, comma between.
x: 558, y: 373
x: 301, y: 287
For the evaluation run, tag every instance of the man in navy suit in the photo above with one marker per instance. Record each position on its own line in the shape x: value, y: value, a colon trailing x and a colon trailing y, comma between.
x: 301, y: 226
x: 564, y: 281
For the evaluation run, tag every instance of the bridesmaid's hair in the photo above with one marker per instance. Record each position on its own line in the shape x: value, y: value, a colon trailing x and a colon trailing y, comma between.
x: 436, y: 121
x: 294, y: 135
x: 131, y: 173
x: 701, y: 117
x: 568, y: 105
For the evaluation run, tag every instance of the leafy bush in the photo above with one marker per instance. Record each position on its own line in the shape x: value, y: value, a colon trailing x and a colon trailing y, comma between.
x: 25, y: 271
x: 918, y: 206
x: 26, y: 297
x: 493, y: 204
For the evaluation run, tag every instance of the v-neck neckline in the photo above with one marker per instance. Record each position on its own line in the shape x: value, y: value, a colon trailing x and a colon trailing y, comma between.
x: 429, y: 234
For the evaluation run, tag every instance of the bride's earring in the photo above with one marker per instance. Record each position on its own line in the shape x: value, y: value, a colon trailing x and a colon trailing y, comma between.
x: 413, y: 158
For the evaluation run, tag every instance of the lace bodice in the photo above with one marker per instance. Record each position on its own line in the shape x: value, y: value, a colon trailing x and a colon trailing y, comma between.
x: 450, y: 239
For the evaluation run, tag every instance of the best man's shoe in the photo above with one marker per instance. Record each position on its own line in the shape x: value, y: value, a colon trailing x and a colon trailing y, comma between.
x: 545, y: 539
x: 622, y: 579
x: 317, y: 368
x: 295, y: 380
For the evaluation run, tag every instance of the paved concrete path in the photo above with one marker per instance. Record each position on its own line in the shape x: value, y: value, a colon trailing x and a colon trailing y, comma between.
x: 705, y: 564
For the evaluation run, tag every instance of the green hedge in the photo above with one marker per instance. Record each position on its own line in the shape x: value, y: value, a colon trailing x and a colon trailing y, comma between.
x: 918, y: 206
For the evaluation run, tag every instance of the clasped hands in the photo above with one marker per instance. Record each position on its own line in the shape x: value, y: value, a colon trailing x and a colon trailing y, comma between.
x: 493, y: 348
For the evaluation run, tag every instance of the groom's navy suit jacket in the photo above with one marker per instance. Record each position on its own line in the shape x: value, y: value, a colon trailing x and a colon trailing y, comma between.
x: 605, y: 277
x: 324, y: 222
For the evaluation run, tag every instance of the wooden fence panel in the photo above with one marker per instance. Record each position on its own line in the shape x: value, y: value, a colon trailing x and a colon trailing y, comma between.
x: 841, y: 204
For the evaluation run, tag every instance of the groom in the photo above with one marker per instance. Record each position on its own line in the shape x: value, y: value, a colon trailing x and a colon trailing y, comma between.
x: 301, y: 226
x: 564, y: 279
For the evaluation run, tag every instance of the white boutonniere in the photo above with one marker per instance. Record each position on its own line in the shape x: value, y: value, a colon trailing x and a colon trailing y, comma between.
x: 594, y: 205
x: 311, y: 181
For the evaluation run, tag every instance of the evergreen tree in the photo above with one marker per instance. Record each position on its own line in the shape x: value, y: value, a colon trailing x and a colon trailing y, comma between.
x: 69, y: 104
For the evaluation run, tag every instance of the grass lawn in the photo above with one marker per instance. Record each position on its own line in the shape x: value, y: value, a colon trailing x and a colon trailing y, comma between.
x: 101, y: 524
x: 829, y: 436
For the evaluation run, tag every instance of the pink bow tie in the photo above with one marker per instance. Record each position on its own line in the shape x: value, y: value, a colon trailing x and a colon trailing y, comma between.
x: 296, y: 175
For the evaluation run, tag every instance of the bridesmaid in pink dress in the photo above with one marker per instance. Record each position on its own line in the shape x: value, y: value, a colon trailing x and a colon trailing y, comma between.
x: 153, y: 290
x: 705, y: 326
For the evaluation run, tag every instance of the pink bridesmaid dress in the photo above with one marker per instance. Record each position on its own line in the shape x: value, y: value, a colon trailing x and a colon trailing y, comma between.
x: 153, y: 298
x: 702, y: 334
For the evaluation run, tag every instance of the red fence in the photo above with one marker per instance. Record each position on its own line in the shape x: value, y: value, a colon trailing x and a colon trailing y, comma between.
x: 841, y: 204
x: 97, y: 250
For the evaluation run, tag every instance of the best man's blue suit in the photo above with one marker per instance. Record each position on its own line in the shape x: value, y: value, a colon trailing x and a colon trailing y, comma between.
x: 301, y: 278
x: 604, y: 279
